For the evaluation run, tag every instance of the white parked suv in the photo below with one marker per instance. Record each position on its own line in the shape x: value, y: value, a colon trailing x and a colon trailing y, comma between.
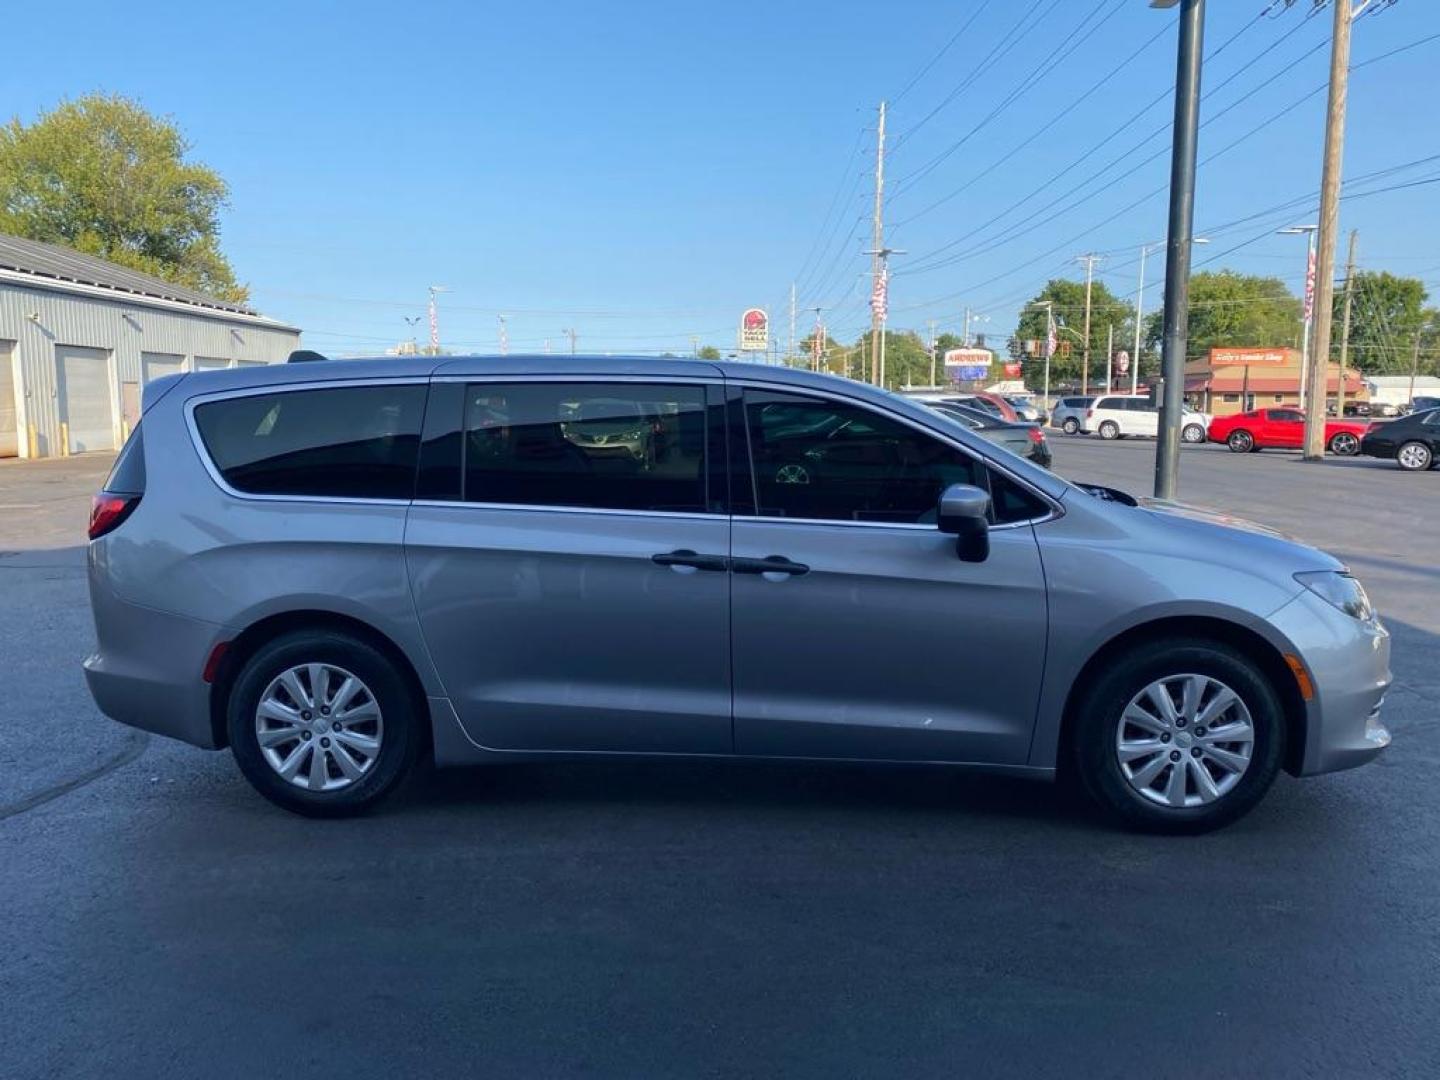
x: 1117, y: 415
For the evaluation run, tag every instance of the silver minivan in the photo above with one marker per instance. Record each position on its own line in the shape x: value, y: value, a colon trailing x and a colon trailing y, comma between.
x: 336, y: 568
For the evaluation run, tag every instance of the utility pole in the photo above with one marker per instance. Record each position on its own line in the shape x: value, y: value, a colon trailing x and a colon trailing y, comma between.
x: 1049, y: 306
x: 965, y: 330
x: 410, y: 321
x: 571, y: 335
x: 1178, y: 237
x: 1109, y: 357
x: 790, y: 353
x: 1414, y: 368
x: 1329, y: 223
x: 1089, y: 261
x: 933, y: 348
x: 504, y: 337
x: 695, y: 346
x: 877, y: 257
x: 1345, y: 325
x: 435, y: 319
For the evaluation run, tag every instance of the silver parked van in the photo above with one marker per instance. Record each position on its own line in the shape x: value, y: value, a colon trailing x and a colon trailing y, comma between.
x: 335, y: 568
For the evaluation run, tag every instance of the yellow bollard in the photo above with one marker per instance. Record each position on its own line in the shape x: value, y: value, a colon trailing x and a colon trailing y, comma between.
x: 64, y: 439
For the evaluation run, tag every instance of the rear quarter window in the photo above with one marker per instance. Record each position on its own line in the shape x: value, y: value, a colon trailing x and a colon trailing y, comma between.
x: 352, y: 442
x: 127, y: 477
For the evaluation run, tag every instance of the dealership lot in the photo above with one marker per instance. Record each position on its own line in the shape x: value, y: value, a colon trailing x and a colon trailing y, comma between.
x: 715, y: 919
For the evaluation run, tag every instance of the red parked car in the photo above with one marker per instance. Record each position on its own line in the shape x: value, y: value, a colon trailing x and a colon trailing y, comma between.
x: 1283, y: 429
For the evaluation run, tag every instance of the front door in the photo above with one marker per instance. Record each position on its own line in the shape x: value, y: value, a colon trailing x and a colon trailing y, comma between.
x: 857, y: 631
x: 567, y: 553
x: 1284, y: 427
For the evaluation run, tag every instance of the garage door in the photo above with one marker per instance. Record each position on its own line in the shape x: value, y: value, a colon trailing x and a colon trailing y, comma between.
x: 210, y: 363
x: 155, y: 364
x: 9, y: 421
x: 87, y: 405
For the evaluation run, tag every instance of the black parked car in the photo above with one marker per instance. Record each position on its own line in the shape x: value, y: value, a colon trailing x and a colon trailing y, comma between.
x: 1413, y: 441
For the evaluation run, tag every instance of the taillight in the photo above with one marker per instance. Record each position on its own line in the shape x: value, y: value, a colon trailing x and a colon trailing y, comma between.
x: 1089, y: 414
x: 108, y: 511
x: 1036, y: 435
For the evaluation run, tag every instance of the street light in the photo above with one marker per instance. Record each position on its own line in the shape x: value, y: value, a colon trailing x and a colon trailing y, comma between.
x: 1145, y: 249
x: 1308, y: 231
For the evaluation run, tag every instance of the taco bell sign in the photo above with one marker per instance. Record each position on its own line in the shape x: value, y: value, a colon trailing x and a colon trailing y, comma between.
x: 754, y: 330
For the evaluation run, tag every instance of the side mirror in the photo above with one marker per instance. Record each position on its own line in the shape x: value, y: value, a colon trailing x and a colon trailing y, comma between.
x: 964, y: 512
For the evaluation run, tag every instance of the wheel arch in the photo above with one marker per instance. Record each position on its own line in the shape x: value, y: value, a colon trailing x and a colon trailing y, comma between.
x: 1248, y: 642
x: 249, y: 641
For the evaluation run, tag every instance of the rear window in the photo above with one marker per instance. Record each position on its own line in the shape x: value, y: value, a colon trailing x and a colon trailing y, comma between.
x: 127, y: 477
x: 353, y: 441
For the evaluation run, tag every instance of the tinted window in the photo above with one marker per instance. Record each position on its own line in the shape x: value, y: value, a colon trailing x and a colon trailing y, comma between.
x: 614, y: 446
x: 353, y: 441
x: 128, y: 475
x: 1432, y: 418
x: 1287, y: 416
x: 831, y: 461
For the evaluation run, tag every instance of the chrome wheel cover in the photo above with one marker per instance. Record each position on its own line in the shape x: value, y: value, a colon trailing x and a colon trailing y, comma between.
x: 1193, y: 433
x: 1184, y: 741
x: 319, y: 727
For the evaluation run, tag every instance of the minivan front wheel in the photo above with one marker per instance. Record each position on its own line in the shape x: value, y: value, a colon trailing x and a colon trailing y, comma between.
x: 1180, y: 736
x: 322, y: 723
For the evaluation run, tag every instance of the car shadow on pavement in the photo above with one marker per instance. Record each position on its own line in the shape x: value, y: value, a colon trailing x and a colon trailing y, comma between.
x: 745, y: 785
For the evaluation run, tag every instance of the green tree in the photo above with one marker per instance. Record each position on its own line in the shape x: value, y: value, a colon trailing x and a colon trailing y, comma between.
x: 707, y: 352
x: 1228, y: 309
x: 1068, y: 299
x: 107, y: 178
x: 1386, y: 314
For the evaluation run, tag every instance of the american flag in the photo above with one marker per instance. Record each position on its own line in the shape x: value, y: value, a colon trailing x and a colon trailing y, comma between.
x: 879, y: 301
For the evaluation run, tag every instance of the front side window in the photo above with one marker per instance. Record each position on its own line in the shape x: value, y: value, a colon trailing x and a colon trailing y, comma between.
x: 352, y: 441
x: 613, y: 446
x: 824, y: 460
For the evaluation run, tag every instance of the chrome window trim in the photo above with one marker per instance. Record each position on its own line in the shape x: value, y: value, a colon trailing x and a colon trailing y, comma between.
x: 595, y: 377
x: 208, y: 462
x: 1056, y: 510
x: 546, y: 508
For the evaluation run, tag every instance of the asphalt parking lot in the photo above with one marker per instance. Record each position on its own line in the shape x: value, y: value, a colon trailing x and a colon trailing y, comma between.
x: 723, y: 920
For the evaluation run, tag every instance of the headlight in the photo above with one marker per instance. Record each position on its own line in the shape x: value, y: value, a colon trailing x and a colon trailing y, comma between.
x: 1339, y: 589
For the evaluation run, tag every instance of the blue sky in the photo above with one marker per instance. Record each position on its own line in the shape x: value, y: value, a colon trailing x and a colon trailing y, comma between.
x: 641, y: 172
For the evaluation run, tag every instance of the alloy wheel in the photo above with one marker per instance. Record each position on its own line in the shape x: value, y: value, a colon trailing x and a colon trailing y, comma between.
x: 1414, y: 455
x: 319, y: 727
x: 1240, y: 441
x: 1344, y: 444
x: 1071, y: 426
x: 1193, y: 433
x: 1184, y: 740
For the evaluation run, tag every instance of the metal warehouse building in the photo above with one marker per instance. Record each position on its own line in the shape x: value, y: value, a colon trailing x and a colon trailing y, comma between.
x: 79, y: 336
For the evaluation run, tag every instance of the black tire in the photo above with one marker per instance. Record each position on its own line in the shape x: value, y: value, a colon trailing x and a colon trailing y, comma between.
x: 1071, y: 425
x: 1193, y: 434
x: 1098, y: 716
x: 403, y: 734
x: 1416, y: 452
x: 1240, y: 442
x: 1344, y: 444
x: 1109, y: 430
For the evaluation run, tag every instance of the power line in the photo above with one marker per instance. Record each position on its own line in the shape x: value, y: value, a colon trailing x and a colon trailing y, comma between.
x: 943, y: 50
x: 1069, y: 43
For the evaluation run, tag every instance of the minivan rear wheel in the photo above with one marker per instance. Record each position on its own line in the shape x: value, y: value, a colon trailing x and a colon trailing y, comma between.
x: 1179, y: 736
x: 322, y: 723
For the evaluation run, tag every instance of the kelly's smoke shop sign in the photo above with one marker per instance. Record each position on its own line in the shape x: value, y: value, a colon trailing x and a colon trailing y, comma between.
x: 754, y: 330
x: 1247, y: 357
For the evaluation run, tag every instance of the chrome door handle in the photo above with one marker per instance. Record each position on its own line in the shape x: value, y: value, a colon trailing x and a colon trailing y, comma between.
x: 684, y: 557
x: 771, y: 564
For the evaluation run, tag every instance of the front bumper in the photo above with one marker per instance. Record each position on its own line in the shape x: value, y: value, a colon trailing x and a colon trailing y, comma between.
x: 1348, y: 662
